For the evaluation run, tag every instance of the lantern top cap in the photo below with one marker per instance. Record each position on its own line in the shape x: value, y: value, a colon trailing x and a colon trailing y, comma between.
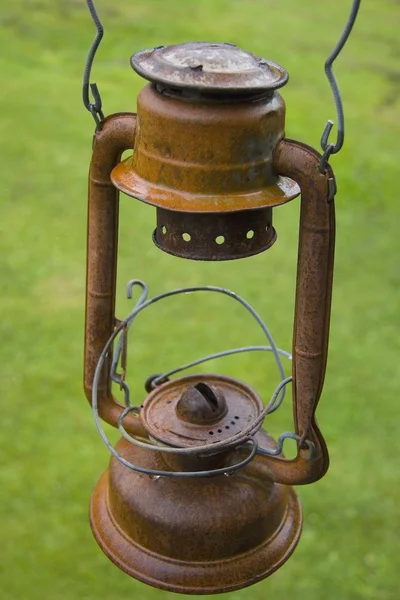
x: 209, y: 68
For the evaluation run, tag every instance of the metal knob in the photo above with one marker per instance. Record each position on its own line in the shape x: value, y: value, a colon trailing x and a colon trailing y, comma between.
x: 202, y: 404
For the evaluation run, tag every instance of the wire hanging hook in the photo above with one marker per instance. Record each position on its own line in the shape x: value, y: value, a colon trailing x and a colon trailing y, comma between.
x: 327, y: 147
x: 95, y: 108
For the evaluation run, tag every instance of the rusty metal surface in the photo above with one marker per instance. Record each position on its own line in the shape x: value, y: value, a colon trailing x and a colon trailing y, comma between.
x: 209, y: 67
x: 102, y: 242
x: 194, y: 160
x: 193, y: 536
x: 214, y: 236
x: 163, y: 420
x: 312, y: 309
x: 201, y: 156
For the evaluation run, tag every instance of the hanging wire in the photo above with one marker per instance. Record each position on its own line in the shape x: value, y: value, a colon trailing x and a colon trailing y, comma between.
x: 95, y: 108
x: 329, y: 148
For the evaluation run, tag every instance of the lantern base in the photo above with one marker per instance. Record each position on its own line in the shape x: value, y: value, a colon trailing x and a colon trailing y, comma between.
x: 199, y: 566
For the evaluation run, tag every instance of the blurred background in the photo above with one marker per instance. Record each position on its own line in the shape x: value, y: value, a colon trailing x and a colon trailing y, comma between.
x: 51, y: 453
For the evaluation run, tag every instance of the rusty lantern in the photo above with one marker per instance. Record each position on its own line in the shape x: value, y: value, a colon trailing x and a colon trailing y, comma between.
x: 198, y: 498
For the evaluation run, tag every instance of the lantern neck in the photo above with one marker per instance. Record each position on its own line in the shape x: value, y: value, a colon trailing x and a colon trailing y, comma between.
x: 198, y: 95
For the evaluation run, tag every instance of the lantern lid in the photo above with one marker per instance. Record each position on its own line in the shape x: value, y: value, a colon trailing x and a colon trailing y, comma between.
x: 199, y: 409
x: 209, y: 67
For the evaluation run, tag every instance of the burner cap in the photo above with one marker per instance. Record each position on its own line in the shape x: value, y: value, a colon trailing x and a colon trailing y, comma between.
x: 199, y: 409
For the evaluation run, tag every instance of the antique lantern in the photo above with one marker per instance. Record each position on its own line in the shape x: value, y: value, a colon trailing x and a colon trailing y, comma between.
x: 209, y: 153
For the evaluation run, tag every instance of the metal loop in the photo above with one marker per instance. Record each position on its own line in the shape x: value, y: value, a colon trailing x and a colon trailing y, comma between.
x: 214, y: 447
x: 95, y: 108
x: 323, y: 165
x: 121, y: 344
x: 281, y: 439
x: 327, y: 147
x: 155, y: 473
x: 237, y: 440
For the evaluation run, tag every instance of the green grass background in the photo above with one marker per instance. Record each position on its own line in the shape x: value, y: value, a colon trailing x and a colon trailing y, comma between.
x: 51, y: 453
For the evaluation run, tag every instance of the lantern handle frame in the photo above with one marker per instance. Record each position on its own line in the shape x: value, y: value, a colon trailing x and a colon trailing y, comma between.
x: 312, y: 306
x: 109, y: 142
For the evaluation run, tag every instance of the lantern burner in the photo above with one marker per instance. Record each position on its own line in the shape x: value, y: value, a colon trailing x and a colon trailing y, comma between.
x: 168, y: 413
